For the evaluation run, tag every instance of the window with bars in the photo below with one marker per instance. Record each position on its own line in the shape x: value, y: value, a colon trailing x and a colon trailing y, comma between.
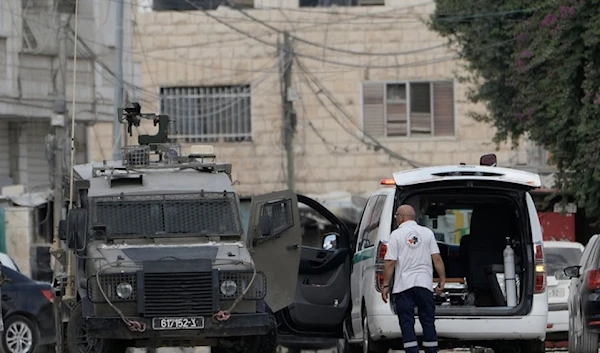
x: 408, y: 109
x: 208, y: 114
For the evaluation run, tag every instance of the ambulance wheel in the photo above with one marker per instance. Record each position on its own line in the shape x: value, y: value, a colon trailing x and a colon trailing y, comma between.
x: 370, y: 346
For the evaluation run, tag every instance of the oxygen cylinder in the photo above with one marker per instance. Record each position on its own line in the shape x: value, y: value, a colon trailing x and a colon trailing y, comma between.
x: 510, y: 283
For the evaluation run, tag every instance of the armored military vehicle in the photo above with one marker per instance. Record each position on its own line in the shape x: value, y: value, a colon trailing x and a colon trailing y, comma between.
x: 157, y: 254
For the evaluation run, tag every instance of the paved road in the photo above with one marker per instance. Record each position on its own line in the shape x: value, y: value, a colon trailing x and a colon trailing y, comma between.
x: 207, y: 350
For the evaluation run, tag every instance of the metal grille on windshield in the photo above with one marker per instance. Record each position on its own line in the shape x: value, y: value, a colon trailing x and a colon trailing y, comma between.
x: 182, y: 214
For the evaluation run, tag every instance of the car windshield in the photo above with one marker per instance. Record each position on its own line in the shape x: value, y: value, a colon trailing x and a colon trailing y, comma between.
x: 559, y: 258
x: 193, y: 214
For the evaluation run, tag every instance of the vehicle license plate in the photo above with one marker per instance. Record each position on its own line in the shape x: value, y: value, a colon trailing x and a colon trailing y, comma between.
x: 558, y: 292
x: 178, y: 323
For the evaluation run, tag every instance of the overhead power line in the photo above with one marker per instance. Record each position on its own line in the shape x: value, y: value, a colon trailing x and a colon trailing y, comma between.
x: 374, y: 142
x: 319, y: 45
x: 334, y: 62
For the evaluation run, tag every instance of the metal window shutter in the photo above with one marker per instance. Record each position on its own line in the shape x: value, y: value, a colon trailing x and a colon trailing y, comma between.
x: 420, y: 106
x: 396, y: 119
x: 373, y: 109
x: 443, y: 108
x: 35, y: 146
x: 5, y: 178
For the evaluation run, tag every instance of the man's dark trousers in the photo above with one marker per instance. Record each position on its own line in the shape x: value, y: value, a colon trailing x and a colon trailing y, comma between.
x: 423, y: 299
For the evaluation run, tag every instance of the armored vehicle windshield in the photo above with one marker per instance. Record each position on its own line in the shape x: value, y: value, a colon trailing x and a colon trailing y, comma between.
x: 167, y: 198
x: 193, y: 214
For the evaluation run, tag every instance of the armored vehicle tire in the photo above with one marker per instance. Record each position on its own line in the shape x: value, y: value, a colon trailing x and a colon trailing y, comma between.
x: 78, y: 340
x: 255, y: 344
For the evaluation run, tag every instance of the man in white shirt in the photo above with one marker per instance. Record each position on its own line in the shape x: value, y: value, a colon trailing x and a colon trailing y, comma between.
x: 410, y: 253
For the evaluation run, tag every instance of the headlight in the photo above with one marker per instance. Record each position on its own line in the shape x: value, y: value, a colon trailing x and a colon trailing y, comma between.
x: 228, y: 288
x: 120, y: 287
x: 241, y: 279
x: 124, y: 290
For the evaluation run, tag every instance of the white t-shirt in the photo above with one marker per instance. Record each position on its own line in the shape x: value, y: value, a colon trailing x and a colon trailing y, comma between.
x: 411, y: 246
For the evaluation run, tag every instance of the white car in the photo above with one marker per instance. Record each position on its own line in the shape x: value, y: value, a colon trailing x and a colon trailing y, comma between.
x: 559, y: 255
x: 476, y: 212
x: 6, y: 261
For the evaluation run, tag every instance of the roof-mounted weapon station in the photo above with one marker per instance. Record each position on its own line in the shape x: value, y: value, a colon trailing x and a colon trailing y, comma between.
x: 167, y: 154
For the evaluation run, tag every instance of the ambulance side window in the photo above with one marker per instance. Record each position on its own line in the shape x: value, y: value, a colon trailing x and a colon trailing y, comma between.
x: 364, y: 222
x: 369, y: 220
x: 373, y: 228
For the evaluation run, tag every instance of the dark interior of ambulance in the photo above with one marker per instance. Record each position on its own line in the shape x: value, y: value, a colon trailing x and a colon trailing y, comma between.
x: 472, y: 232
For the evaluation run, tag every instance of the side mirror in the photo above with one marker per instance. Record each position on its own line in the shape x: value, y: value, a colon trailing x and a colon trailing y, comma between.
x: 560, y: 275
x: 266, y: 225
x: 330, y: 241
x: 77, y: 229
x: 62, y: 230
x: 488, y: 159
x: 572, y: 271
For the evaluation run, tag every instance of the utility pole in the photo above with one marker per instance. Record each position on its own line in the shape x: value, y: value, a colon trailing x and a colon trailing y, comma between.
x: 118, y: 97
x: 58, y: 124
x: 289, y: 115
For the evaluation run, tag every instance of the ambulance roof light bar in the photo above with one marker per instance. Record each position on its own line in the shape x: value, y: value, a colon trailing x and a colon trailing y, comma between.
x: 388, y: 182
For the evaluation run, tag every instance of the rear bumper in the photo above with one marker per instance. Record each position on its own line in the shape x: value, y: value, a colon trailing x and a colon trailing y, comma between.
x: 237, y: 325
x: 558, y: 321
x: 558, y: 325
x: 528, y: 327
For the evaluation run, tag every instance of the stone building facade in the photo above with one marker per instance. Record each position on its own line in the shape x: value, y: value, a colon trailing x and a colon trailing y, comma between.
x: 30, y: 78
x: 371, y: 87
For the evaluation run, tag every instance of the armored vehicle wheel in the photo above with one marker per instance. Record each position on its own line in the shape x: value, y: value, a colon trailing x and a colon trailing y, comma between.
x: 78, y: 340
x: 252, y: 344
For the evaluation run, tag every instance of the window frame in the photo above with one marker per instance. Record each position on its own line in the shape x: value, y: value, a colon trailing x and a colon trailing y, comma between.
x: 212, y: 93
x: 407, y: 84
x: 365, y: 221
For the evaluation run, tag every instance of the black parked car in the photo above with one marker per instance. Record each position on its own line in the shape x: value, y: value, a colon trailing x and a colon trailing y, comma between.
x: 27, y: 311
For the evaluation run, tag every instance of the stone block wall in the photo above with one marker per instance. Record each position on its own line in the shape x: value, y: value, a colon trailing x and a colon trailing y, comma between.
x: 225, y: 47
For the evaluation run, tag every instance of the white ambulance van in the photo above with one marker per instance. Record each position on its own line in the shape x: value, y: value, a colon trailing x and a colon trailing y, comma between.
x: 477, y: 214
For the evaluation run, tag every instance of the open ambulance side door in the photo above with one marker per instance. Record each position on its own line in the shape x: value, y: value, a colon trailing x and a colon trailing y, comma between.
x: 275, y: 240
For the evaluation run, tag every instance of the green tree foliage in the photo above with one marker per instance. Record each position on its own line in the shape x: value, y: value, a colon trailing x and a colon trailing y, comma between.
x: 536, y: 66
